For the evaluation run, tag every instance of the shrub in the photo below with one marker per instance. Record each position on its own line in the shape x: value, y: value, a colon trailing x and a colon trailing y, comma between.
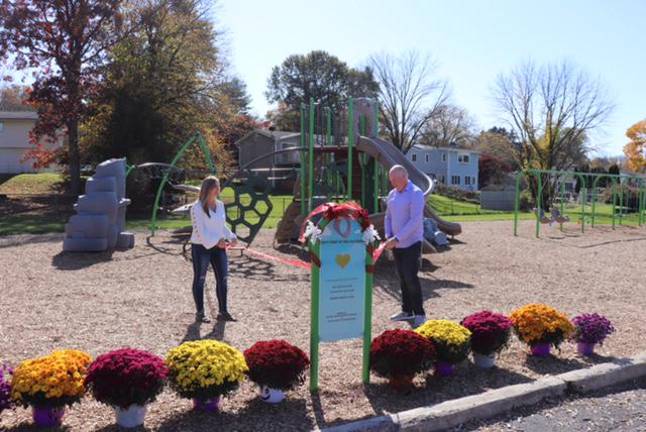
x: 125, y: 377
x: 489, y: 331
x: 539, y: 323
x: 54, y: 380
x: 592, y: 328
x: 400, y: 353
x: 205, y: 369
x: 5, y: 388
x: 276, y: 364
x: 451, y: 340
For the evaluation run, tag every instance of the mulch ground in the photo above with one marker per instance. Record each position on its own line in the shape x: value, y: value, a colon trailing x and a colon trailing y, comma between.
x: 141, y: 298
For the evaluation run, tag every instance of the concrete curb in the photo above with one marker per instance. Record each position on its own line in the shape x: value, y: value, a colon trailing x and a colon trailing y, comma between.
x: 455, y: 412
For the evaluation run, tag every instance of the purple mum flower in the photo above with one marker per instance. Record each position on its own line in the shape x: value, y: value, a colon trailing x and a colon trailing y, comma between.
x: 5, y: 388
x: 592, y: 328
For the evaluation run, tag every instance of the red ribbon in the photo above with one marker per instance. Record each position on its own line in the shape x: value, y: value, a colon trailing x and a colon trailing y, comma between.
x: 333, y: 211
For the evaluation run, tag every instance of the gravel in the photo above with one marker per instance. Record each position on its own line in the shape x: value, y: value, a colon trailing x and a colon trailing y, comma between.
x: 141, y: 298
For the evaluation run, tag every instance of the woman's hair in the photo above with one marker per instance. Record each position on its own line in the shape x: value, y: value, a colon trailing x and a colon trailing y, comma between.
x: 210, y: 182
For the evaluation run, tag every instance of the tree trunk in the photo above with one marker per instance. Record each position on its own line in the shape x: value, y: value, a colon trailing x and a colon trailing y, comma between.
x: 74, y: 156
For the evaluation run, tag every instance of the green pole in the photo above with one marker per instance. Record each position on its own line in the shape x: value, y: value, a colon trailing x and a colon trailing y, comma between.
x: 303, y: 161
x: 614, y: 199
x: 621, y: 202
x: 363, y: 163
x: 517, y: 202
x: 595, y: 182
x: 180, y: 152
x: 350, y: 145
x: 328, y: 127
x: 562, y: 203
x: 583, y: 197
x: 314, y: 322
x: 310, y: 163
x: 367, y: 323
x: 375, y: 186
x: 539, y: 203
x: 375, y: 108
x: 642, y: 198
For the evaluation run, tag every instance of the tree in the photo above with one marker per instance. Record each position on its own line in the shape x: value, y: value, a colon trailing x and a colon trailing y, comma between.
x: 450, y: 125
x: 492, y: 170
x: 65, y: 42
x: 500, y: 144
x: 13, y: 98
x: 318, y: 75
x: 635, y: 150
x: 552, y: 109
x: 409, y: 93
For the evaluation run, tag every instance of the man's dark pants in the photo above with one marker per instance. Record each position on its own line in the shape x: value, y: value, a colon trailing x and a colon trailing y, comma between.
x: 407, y: 261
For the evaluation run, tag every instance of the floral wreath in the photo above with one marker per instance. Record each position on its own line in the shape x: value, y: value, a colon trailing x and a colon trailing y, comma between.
x: 311, y: 233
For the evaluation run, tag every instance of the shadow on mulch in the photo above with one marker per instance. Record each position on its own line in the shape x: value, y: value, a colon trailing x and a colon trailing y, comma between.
x: 193, y: 331
x: 291, y: 414
x: 30, y: 427
x: 554, y: 365
x: 468, y: 380
x: 248, y: 267
x: 80, y: 260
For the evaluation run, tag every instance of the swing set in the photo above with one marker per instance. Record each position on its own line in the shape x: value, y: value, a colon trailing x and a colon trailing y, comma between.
x: 588, y: 197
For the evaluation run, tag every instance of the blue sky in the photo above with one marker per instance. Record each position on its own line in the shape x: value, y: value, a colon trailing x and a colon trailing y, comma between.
x: 473, y: 41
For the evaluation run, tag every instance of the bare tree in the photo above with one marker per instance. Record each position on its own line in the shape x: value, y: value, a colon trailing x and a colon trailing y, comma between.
x: 552, y: 109
x: 409, y: 94
x: 450, y: 125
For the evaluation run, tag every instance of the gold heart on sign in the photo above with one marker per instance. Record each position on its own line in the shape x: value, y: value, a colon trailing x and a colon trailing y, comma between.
x: 343, y: 260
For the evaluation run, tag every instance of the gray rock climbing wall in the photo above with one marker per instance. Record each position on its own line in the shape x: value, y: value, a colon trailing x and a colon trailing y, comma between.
x: 100, y: 220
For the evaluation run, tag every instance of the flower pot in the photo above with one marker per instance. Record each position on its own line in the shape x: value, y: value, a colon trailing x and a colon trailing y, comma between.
x: 210, y: 405
x: 401, y: 382
x: 132, y: 416
x: 271, y: 395
x: 444, y: 369
x: 541, y: 349
x: 585, y: 348
x: 48, y: 416
x: 484, y: 361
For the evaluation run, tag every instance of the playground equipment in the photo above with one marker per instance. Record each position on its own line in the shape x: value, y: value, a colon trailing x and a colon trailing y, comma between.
x: 101, y: 213
x: 588, y: 197
x: 342, y: 158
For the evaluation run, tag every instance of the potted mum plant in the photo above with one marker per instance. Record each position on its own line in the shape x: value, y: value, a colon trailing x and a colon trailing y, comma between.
x: 490, y: 333
x: 589, y: 330
x: 399, y: 355
x: 50, y: 383
x: 5, y: 388
x: 204, y: 371
x: 127, y: 379
x: 451, y: 341
x: 541, y: 327
x: 276, y: 366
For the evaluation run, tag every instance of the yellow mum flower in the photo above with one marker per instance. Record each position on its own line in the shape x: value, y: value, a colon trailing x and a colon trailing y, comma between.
x: 539, y: 323
x: 451, y: 340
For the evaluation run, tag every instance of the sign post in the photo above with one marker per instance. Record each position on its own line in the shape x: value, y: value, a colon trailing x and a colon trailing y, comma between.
x: 341, y: 303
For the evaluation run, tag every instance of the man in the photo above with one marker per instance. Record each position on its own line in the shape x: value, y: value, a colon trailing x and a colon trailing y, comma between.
x: 404, y: 229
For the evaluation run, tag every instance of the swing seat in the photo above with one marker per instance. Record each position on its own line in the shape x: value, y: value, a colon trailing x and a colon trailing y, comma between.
x: 562, y: 219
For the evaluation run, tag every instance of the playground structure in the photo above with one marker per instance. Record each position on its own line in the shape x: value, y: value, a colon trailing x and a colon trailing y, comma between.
x: 343, y: 159
x: 588, y: 196
x: 100, y: 221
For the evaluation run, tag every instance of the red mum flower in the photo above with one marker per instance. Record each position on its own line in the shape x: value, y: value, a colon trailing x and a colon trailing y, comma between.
x: 397, y: 353
x: 276, y: 364
x: 490, y: 331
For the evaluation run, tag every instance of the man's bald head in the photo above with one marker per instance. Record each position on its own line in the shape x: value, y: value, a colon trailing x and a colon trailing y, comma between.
x: 398, y: 177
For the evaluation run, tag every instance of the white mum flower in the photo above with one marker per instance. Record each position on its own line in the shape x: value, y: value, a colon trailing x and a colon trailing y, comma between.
x: 370, y: 235
x: 312, y: 232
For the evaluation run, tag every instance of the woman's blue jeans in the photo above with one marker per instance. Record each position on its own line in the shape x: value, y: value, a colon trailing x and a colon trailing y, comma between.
x: 217, y: 258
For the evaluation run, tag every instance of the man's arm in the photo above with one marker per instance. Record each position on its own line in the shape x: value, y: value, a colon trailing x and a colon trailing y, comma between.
x: 388, y: 225
x: 416, y: 215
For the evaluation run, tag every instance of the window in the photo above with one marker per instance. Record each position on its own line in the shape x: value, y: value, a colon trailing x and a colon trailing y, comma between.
x: 427, y: 158
x: 463, y: 158
x: 442, y: 179
x: 414, y: 157
x: 1, y: 126
x: 455, y: 180
x: 467, y: 180
x: 443, y: 157
x: 473, y: 181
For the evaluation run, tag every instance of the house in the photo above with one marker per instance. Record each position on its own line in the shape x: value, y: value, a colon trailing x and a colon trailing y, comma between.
x: 451, y: 166
x: 14, y: 140
x: 280, y: 168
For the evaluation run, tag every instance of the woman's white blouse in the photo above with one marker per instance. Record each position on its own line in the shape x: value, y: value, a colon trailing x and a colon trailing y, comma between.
x: 209, y: 230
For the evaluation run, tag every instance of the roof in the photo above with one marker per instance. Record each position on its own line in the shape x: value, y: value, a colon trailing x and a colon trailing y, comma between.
x: 456, y: 149
x: 18, y: 115
x: 276, y: 135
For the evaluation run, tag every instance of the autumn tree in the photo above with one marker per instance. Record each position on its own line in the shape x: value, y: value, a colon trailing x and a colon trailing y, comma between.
x: 635, y: 150
x: 552, y: 109
x: 450, y: 125
x: 499, y: 143
x: 318, y: 75
x: 410, y: 95
x: 64, y: 43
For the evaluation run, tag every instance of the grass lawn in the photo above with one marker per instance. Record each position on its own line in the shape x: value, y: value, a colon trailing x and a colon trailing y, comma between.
x: 41, y: 183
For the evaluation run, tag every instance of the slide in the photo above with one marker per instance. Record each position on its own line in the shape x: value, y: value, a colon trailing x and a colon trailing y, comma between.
x: 388, y: 155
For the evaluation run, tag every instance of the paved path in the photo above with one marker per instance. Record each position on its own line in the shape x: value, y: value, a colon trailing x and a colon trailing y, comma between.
x: 620, y: 410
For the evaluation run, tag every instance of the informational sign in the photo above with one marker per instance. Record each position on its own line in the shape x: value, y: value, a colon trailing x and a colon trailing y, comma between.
x: 342, y: 281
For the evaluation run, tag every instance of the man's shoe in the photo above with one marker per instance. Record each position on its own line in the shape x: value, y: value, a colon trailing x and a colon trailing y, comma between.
x: 201, y: 318
x: 418, y: 320
x: 402, y: 316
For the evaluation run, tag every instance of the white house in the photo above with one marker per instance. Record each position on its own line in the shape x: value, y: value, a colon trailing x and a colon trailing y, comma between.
x: 451, y: 166
x: 14, y: 140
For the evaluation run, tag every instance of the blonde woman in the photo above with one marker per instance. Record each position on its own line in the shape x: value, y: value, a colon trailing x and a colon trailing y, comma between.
x: 209, y: 240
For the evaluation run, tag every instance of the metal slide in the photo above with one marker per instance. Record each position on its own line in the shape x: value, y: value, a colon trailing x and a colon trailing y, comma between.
x: 388, y: 155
